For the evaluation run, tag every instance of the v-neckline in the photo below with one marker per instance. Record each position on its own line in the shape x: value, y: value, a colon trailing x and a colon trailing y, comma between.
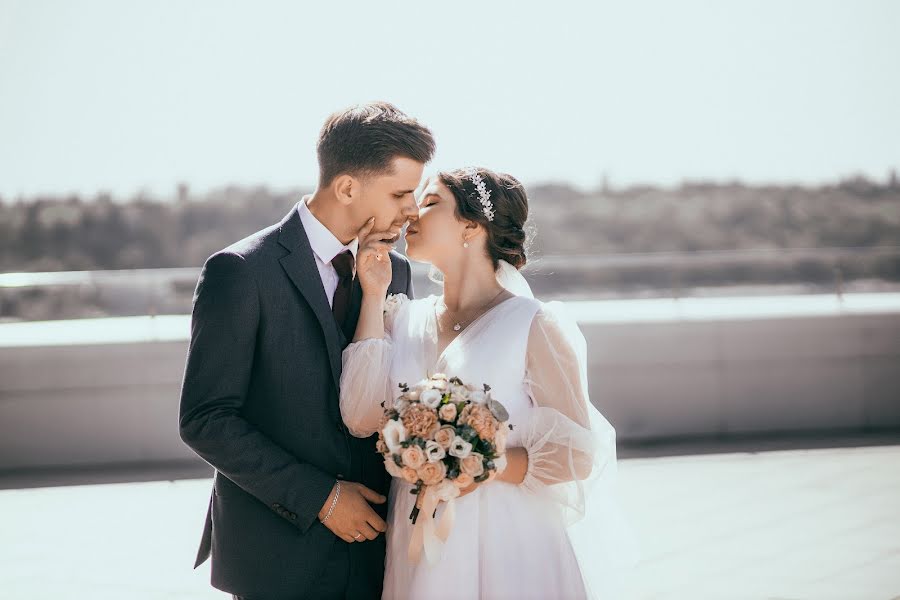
x: 437, y: 333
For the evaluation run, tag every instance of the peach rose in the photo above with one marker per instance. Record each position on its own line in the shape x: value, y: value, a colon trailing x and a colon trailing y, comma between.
x: 409, y: 475
x: 444, y: 436
x: 420, y: 421
x: 473, y: 464
x: 413, y: 457
x: 463, y: 480
x: 464, y: 415
x: 380, y: 446
x: 447, y: 412
x: 482, y: 421
x: 432, y: 473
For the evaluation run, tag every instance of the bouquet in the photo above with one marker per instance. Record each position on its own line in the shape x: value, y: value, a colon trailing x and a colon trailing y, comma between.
x: 442, y: 435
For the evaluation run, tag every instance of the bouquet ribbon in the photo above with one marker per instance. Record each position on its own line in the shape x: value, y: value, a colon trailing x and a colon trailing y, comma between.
x: 428, y: 533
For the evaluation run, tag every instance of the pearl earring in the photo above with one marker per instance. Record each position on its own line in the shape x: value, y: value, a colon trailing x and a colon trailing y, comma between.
x: 465, y: 244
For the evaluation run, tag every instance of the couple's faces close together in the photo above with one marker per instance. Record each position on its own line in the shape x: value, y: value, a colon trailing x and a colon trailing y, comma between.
x: 399, y: 197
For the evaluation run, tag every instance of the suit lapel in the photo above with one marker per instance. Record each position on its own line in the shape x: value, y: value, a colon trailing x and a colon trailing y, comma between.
x: 300, y: 266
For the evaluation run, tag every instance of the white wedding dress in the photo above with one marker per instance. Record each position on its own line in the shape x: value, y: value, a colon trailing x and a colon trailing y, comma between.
x: 507, y: 541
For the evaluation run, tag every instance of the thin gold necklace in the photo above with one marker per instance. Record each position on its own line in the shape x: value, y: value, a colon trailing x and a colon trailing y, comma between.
x: 458, y: 324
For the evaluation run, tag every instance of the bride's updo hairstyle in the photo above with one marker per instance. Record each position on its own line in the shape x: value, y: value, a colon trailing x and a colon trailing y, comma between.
x: 507, y: 204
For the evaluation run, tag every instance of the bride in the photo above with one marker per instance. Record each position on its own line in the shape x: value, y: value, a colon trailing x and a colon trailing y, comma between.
x: 525, y: 533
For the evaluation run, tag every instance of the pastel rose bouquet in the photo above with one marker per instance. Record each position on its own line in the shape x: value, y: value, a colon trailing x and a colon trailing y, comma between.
x: 441, y: 436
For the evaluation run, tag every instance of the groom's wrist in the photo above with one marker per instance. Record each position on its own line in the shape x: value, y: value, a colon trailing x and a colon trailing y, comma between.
x: 330, y: 502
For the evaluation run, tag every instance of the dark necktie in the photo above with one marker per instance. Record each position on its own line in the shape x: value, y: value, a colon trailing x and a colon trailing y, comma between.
x: 343, y: 264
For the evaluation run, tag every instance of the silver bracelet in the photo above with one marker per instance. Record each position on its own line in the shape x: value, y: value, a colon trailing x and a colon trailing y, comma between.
x: 337, y: 494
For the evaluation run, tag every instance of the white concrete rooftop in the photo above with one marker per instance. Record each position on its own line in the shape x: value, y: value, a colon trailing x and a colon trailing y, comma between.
x: 786, y: 525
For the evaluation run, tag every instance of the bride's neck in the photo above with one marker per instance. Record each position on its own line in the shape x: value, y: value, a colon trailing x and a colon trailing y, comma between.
x: 470, y: 286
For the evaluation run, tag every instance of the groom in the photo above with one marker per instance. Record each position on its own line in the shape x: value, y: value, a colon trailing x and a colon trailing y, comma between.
x: 259, y: 401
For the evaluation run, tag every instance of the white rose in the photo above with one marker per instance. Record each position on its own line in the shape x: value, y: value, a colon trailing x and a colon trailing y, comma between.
x: 478, y: 397
x: 460, y: 448
x: 459, y: 393
x: 394, y: 435
x: 431, y: 398
x: 434, y: 451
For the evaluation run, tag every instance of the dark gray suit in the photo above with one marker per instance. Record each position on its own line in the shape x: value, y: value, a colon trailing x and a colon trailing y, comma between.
x: 259, y: 403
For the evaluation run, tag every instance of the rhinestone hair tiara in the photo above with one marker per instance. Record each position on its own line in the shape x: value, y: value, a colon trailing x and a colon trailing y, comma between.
x: 484, y: 194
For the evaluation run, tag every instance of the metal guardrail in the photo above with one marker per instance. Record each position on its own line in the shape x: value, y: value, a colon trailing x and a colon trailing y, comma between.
x: 79, y: 294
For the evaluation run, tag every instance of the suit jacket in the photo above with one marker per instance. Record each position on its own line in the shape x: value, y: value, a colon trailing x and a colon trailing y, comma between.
x: 259, y: 403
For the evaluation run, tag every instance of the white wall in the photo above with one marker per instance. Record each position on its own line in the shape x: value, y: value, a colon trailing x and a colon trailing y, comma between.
x: 107, y: 390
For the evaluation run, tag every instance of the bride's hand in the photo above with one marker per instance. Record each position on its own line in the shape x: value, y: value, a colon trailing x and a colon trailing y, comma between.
x: 514, y: 472
x: 468, y: 490
x: 373, y: 265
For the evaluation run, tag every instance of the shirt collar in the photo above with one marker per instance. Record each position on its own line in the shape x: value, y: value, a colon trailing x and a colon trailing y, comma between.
x: 323, y: 242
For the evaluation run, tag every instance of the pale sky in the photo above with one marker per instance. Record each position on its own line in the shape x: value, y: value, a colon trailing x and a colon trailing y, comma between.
x: 123, y: 95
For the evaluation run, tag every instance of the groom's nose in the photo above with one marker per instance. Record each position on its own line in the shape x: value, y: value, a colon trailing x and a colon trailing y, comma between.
x: 410, y: 209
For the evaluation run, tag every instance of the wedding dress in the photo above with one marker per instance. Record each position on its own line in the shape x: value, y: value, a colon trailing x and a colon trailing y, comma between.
x: 530, y: 540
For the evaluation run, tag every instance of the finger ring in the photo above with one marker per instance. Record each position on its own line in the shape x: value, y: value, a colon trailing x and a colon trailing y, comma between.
x: 357, y: 536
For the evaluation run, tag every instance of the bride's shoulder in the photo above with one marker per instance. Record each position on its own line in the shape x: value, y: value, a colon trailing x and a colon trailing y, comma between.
x: 554, y: 324
x: 554, y: 310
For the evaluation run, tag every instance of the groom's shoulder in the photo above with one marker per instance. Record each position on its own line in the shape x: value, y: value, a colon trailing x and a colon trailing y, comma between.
x: 402, y: 272
x: 398, y: 261
x: 253, y: 248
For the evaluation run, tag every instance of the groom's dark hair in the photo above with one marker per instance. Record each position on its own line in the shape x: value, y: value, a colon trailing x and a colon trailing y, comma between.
x: 362, y: 140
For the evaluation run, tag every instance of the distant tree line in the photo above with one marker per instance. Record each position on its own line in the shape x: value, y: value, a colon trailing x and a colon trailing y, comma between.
x: 77, y: 233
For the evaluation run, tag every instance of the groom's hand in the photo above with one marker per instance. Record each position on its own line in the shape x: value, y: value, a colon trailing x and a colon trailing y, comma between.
x: 352, y: 519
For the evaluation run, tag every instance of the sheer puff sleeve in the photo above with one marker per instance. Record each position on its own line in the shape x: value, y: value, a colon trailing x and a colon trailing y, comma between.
x: 365, y: 374
x: 571, y: 446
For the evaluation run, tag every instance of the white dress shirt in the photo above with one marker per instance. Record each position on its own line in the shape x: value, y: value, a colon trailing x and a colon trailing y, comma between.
x: 325, y: 246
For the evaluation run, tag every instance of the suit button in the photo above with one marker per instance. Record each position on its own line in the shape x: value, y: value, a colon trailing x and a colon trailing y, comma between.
x: 276, y: 506
x: 293, y: 517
